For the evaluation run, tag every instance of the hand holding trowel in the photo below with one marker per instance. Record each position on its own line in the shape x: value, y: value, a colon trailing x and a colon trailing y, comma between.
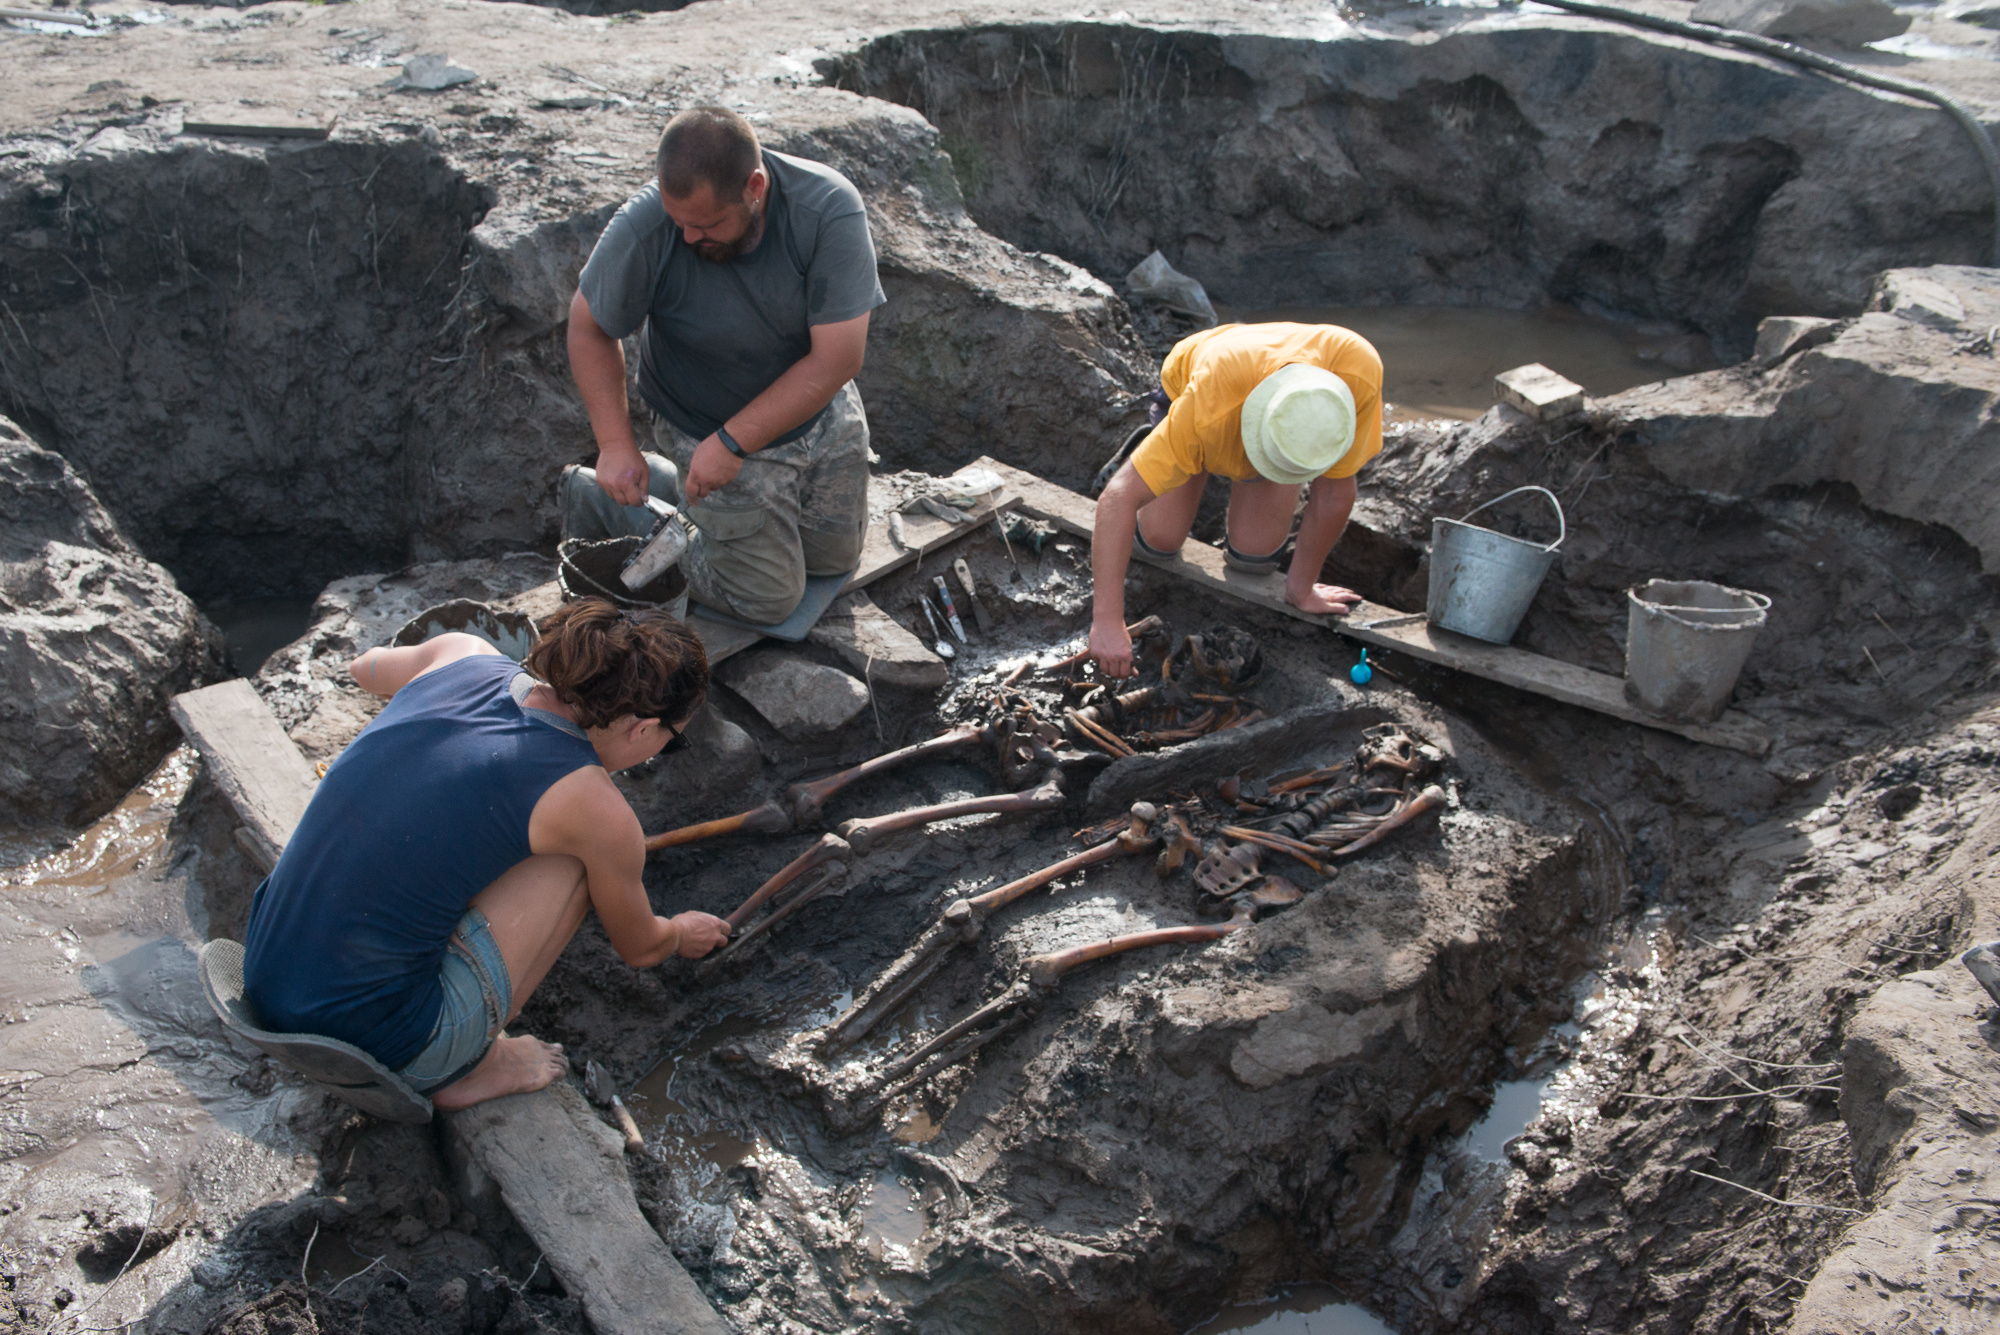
x: 664, y: 546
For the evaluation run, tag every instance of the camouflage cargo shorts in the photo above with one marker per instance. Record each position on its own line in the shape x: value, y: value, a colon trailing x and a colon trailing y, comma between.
x: 796, y: 509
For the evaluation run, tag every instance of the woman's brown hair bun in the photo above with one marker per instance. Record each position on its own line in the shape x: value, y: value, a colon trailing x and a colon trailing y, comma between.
x: 606, y: 664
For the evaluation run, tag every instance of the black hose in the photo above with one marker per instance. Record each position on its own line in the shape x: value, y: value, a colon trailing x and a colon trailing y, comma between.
x: 1812, y: 60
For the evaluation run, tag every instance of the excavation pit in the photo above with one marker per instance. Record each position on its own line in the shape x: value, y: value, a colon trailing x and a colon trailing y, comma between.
x: 1494, y: 1062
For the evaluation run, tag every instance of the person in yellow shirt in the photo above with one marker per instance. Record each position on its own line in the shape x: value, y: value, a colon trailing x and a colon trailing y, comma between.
x: 1272, y: 408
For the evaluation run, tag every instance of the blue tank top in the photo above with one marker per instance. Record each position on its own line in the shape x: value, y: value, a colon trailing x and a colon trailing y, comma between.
x: 422, y: 811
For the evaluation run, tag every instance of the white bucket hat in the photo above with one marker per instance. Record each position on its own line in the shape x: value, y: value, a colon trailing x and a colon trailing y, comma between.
x: 1298, y: 423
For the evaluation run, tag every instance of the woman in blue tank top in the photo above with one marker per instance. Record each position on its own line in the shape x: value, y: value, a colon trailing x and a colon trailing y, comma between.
x: 452, y: 850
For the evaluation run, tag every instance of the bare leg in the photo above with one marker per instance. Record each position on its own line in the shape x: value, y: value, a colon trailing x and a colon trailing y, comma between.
x: 1260, y: 515
x: 534, y: 909
x: 1165, y: 520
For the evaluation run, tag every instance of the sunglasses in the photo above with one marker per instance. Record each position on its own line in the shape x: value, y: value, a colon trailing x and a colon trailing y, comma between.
x: 676, y: 740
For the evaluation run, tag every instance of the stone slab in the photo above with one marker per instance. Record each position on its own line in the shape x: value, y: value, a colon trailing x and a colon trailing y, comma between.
x: 1539, y: 392
x: 1404, y: 632
x: 257, y: 767
x: 561, y: 1173
x: 874, y: 644
x: 798, y: 698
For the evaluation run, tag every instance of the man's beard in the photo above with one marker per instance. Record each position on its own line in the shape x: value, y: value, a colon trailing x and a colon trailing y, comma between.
x: 722, y: 252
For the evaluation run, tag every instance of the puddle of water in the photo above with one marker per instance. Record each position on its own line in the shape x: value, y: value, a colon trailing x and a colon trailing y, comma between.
x: 1439, y: 361
x: 122, y: 841
x: 256, y: 628
x: 918, y: 1127
x: 891, y: 1219
x: 1309, y: 1309
x: 666, y: 1121
x: 1516, y: 1104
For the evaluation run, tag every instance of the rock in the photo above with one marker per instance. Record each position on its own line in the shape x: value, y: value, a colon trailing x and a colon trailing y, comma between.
x: 1782, y: 335
x: 1847, y: 22
x: 94, y: 640
x: 430, y: 73
x: 874, y: 644
x: 1899, y: 404
x: 798, y: 698
x: 1948, y: 297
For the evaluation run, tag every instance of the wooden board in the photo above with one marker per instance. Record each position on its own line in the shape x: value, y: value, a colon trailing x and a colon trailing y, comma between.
x: 561, y: 1173
x: 253, y: 762
x: 1201, y: 564
x: 879, y: 556
x: 253, y: 123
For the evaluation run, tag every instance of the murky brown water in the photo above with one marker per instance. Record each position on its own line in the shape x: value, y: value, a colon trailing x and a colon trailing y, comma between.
x: 122, y: 841
x: 1439, y: 361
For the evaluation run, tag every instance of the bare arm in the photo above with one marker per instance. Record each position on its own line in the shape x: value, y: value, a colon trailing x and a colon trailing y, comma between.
x: 807, y: 386
x: 1110, y: 557
x: 383, y: 671
x: 1328, y: 504
x: 585, y: 816
x: 597, y: 362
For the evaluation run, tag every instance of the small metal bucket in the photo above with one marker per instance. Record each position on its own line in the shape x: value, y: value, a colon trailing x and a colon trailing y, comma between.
x: 591, y: 569
x: 1482, y: 581
x: 1685, y: 644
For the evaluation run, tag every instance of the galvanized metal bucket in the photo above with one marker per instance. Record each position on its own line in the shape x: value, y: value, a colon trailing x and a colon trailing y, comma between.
x: 1482, y: 581
x: 512, y: 633
x: 1685, y: 644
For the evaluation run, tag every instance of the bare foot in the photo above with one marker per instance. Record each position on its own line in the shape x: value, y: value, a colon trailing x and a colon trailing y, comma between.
x: 512, y: 1066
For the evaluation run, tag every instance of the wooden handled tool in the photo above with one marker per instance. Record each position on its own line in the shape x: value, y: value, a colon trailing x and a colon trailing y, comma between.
x: 597, y: 1082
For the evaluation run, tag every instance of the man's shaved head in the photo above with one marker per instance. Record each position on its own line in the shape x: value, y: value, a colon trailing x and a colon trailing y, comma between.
x: 710, y: 146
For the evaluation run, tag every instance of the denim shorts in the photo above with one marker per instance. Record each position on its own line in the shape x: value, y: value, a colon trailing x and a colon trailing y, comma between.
x: 477, y: 997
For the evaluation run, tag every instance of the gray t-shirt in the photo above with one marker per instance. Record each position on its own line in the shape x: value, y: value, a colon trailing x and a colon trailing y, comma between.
x: 717, y: 335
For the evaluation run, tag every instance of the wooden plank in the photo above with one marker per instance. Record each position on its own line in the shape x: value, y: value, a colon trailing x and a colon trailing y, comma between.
x: 561, y: 1173
x: 1201, y: 564
x: 879, y: 556
x: 257, y: 767
x: 253, y: 123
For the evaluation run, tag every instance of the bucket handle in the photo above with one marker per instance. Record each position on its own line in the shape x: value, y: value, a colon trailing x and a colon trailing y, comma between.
x: 1763, y: 604
x: 1562, y: 526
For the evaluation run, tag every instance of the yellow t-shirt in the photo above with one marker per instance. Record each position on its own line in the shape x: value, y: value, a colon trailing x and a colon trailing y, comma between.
x: 1208, y: 375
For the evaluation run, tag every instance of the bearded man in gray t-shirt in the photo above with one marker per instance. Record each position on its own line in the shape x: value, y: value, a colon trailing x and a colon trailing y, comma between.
x: 751, y: 275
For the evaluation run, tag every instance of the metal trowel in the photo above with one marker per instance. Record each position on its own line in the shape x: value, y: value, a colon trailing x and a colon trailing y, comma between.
x: 597, y: 1082
x: 663, y: 547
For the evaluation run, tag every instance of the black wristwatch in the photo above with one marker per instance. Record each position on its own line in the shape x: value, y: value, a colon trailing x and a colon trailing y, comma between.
x: 729, y: 442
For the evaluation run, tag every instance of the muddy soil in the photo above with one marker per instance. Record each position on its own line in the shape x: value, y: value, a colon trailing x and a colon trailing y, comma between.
x: 1714, y: 990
